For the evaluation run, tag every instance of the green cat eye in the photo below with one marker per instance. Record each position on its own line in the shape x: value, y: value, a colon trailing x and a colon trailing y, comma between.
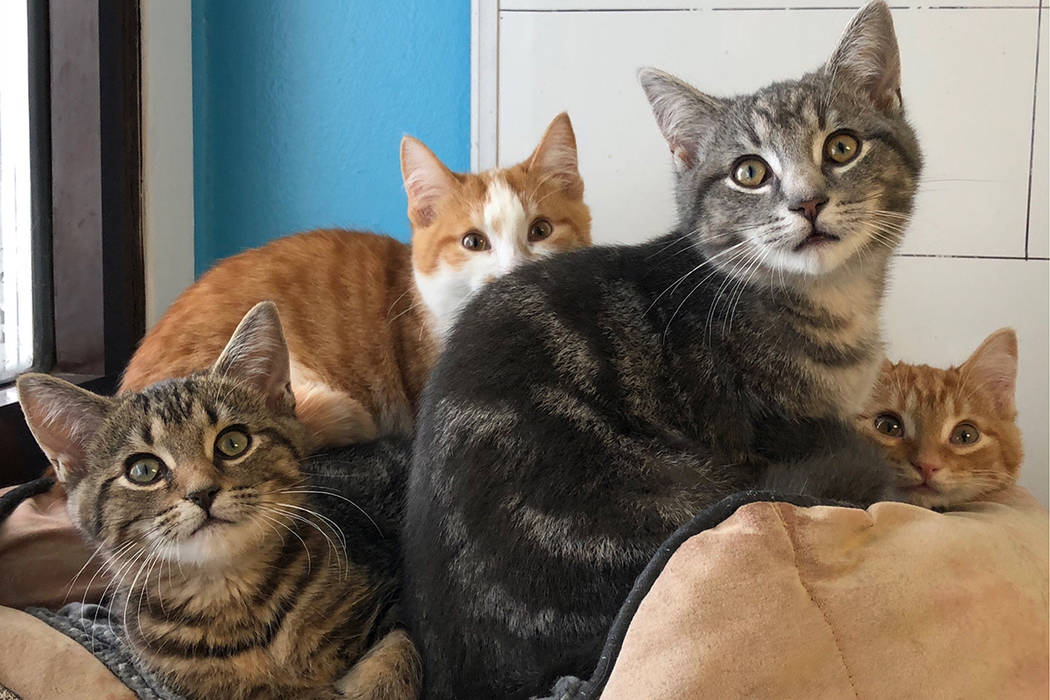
x: 540, y: 229
x: 964, y: 434
x: 475, y: 241
x: 841, y: 147
x: 889, y: 424
x: 750, y: 171
x: 232, y: 442
x: 144, y: 469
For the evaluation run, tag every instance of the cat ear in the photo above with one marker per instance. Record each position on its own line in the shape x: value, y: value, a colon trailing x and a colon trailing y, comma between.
x: 427, y: 181
x: 867, y: 57
x: 257, y: 355
x: 993, y: 365
x: 63, y: 418
x: 684, y: 115
x: 556, y: 156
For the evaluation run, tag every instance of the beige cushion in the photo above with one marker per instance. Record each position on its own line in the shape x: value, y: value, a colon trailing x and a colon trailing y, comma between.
x: 40, y: 663
x: 892, y: 602
x: 41, y: 555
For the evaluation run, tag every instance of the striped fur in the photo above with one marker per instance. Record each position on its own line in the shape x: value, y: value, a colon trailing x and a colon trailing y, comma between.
x: 588, y: 405
x: 266, y: 591
x: 930, y: 403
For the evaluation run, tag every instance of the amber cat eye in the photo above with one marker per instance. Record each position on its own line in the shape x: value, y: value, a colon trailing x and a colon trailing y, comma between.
x: 540, y: 229
x: 144, y: 469
x: 841, y: 147
x: 750, y: 171
x: 475, y: 240
x: 964, y: 434
x: 232, y: 443
x: 889, y: 424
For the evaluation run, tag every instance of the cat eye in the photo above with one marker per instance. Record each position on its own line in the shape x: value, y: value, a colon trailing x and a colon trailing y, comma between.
x: 540, y: 229
x: 889, y: 424
x: 750, y: 171
x: 232, y: 443
x: 964, y: 434
x: 841, y: 147
x: 475, y: 241
x: 144, y: 469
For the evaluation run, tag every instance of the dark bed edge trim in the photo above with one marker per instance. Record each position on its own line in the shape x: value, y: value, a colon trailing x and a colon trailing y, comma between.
x: 10, y: 500
x: 704, y: 520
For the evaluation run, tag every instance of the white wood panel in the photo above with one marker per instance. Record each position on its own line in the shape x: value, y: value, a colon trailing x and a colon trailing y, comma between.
x: 1039, y: 217
x: 167, y: 152
x: 939, y: 310
x: 964, y: 75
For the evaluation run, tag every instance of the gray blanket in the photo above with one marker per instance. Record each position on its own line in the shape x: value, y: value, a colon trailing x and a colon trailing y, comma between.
x: 92, y: 627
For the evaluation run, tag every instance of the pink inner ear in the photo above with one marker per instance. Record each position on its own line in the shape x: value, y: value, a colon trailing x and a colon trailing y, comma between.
x: 994, y: 365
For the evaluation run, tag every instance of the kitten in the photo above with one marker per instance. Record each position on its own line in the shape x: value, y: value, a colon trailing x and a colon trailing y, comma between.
x: 588, y: 405
x: 950, y: 434
x: 229, y: 584
x: 364, y: 314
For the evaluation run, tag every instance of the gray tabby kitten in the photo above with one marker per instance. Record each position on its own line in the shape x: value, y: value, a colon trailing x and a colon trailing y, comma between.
x: 587, y: 406
x: 229, y: 582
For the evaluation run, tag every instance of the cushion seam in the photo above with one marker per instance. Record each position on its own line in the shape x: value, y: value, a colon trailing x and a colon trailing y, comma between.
x: 818, y: 606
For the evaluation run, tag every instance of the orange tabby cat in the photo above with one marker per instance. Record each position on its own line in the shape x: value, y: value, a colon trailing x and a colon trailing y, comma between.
x: 364, y: 314
x: 950, y: 433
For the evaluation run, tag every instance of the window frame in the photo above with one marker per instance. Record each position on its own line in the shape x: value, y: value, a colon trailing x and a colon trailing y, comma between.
x: 86, y: 151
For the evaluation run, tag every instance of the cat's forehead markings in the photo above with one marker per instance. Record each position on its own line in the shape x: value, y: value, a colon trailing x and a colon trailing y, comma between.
x: 502, y: 214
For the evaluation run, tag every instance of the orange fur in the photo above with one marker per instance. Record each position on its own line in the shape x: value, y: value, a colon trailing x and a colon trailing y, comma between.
x: 361, y: 332
x: 930, y: 403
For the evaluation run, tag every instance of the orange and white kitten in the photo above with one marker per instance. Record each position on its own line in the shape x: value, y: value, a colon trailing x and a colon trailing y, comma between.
x: 951, y: 434
x: 365, y: 315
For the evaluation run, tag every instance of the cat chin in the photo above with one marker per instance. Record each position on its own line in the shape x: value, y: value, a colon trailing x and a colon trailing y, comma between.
x: 814, y: 261
x: 216, y: 544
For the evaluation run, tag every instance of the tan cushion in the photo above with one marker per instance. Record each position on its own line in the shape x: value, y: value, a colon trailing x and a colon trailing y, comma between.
x: 892, y: 602
x: 41, y: 554
x: 40, y: 663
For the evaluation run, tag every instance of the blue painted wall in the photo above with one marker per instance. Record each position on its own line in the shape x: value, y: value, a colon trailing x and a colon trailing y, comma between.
x: 299, y: 107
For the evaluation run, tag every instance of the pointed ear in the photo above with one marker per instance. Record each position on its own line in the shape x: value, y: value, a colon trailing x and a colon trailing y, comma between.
x: 994, y: 365
x: 63, y: 418
x: 556, y: 156
x: 685, y: 115
x: 257, y: 356
x: 427, y: 181
x: 867, y: 58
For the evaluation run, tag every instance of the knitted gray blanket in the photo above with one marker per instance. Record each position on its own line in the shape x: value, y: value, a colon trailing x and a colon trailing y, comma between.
x: 94, y: 629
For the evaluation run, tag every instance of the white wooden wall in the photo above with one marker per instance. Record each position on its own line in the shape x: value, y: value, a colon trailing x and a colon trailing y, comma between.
x: 975, y: 87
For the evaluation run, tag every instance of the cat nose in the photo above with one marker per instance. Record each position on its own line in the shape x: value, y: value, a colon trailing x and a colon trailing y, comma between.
x: 927, y: 469
x: 811, y: 207
x: 203, y: 497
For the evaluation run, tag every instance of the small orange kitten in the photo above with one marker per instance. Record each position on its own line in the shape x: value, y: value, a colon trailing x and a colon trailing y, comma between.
x: 950, y: 433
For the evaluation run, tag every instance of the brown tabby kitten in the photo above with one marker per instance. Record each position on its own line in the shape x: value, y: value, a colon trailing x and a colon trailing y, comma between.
x: 228, y: 583
x: 950, y: 433
x: 365, y: 315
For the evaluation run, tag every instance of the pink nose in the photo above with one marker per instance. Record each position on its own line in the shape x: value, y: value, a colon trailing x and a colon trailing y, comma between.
x: 810, y: 208
x: 927, y: 469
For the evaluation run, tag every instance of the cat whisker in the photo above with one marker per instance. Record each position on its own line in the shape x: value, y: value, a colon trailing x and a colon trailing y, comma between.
x: 331, y: 523
x: 707, y: 261
x: 77, y: 575
x: 320, y: 490
x: 299, y: 518
x: 394, y: 303
x: 309, y: 560
x: 738, y: 254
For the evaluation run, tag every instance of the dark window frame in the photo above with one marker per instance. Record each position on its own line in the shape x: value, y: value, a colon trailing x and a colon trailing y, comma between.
x: 86, y: 150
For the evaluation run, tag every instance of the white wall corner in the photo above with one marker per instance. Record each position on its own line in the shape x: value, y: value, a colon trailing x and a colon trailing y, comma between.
x: 167, y: 151
x: 484, y: 84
